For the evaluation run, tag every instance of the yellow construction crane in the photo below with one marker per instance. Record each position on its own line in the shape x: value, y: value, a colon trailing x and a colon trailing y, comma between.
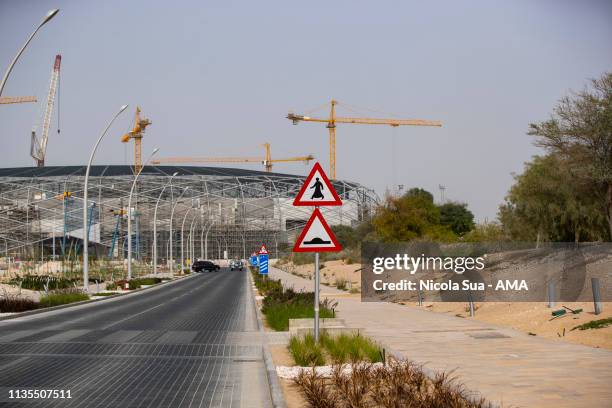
x: 140, y: 124
x: 267, y: 161
x: 333, y: 119
x: 5, y: 100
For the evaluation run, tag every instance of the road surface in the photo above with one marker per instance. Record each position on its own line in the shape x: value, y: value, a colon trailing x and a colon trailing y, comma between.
x: 190, y: 343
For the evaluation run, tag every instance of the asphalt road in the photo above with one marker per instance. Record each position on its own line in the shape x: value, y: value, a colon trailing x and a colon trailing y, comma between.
x: 191, y: 343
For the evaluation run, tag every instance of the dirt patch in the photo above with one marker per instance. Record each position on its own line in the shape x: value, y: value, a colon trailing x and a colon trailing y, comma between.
x: 330, y: 273
x: 280, y: 355
x: 535, y: 318
x: 15, y: 291
x: 293, y: 395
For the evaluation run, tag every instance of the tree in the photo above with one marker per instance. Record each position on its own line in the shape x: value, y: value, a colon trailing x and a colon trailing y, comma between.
x: 580, y: 132
x: 547, y: 202
x: 413, y: 215
x: 457, y: 217
x: 487, y: 232
x: 346, y: 236
x: 419, y: 193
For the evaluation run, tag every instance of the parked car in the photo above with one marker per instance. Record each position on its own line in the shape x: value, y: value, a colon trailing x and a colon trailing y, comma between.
x: 236, y: 264
x: 201, y: 266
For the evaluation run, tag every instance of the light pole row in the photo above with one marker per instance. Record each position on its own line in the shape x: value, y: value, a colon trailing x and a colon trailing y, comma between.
x: 130, y: 213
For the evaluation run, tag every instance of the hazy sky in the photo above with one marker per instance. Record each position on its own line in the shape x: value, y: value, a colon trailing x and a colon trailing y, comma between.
x: 218, y: 78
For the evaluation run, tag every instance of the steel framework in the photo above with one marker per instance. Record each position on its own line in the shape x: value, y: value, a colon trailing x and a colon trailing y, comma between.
x: 218, y: 212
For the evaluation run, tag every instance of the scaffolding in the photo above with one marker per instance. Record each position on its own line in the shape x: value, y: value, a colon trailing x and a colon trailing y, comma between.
x: 216, y: 213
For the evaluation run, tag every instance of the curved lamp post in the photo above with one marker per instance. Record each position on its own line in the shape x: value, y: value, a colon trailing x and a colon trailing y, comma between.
x: 190, y: 239
x: 206, y: 239
x: 171, y: 257
x: 183, y: 239
x: 202, y: 231
x: 155, y: 223
x: 44, y: 21
x: 85, y: 223
x: 129, y: 277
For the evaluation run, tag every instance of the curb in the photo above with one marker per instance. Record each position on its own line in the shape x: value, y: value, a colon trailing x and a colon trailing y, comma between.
x: 276, y: 393
x: 85, y: 302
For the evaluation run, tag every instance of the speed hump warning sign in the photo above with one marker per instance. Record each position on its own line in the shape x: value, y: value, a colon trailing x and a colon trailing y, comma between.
x: 317, y: 236
x: 317, y: 190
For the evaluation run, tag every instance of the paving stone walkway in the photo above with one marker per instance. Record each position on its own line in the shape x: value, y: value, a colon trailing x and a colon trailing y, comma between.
x: 508, y: 367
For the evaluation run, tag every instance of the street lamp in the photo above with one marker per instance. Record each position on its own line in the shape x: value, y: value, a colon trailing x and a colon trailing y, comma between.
x: 46, y: 19
x: 183, y: 239
x: 129, y: 277
x: 171, y: 257
x: 85, y: 223
x: 190, y: 239
x: 206, y: 239
x: 155, y: 223
x: 202, y: 231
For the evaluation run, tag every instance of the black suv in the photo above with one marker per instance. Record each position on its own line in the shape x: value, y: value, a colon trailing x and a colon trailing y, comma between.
x: 200, y: 266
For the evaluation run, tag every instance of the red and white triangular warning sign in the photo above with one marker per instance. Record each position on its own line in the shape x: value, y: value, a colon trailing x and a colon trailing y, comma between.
x: 317, y: 236
x: 263, y: 250
x: 317, y: 190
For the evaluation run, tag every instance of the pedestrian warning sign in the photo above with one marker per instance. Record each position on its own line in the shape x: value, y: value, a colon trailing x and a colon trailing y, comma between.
x: 317, y: 236
x: 317, y: 190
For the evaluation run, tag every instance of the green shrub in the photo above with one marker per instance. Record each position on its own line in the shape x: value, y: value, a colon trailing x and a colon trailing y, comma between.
x: 595, y: 324
x: 264, y: 284
x: 278, y: 315
x: 134, y: 284
x: 62, y: 298
x: 111, y: 286
x: 305, y: 351
x: 149, y: 281
x: 281, y: 305
x: 104, y: 294
x: 139, y: 282
x: 341, y: 349
x: 352, y: 348
x: 38, y: 282
x: 341, y: 283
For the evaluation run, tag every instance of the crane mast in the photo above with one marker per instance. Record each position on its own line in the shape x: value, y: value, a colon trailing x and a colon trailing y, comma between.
x: 38, y: 146
x: 140, y: 124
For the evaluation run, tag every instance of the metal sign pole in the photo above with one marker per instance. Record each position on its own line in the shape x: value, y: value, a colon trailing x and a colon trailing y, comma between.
x: 316, y: 300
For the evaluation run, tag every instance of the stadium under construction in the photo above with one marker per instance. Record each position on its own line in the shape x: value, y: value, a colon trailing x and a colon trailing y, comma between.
x: 195, y: 212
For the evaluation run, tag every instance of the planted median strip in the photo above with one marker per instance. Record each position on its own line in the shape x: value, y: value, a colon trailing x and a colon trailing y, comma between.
x: 340, y: 349
x: 359, y: 375
x: 59, y: 291
x: 348, y: 369
x: 279, y: 304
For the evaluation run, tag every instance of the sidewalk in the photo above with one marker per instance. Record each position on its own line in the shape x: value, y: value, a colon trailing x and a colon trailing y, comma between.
x: 507, y: 367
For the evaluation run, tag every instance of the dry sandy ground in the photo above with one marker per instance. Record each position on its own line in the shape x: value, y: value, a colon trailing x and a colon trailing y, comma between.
x: 531, y: 317
x: 528, y: 317
x: 333, y: 270
x: 13, y: 291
